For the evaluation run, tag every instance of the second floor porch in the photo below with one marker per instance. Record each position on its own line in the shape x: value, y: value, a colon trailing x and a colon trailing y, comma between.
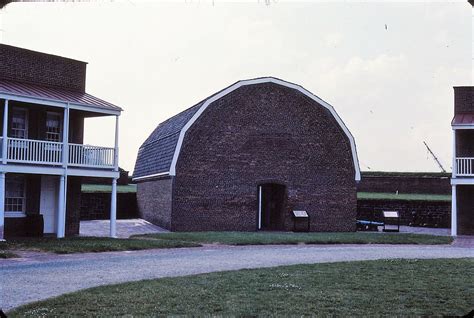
x: 463, y: 151
x: 43, y: 152
x: 464, y: 167
x: 45, y: 127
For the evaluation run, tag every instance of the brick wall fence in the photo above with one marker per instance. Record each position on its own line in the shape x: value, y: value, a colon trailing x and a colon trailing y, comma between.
x: 391, y: 182
x: 96, y: 206
x: 417, y: 213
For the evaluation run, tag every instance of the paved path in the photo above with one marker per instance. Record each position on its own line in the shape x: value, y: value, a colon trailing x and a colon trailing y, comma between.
x: 421, y: 230
x: 36, y: 278
x: 125, y: 228
x: 129, y: 227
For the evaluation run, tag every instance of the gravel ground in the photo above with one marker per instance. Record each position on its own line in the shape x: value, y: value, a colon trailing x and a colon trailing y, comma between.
x: 48, y: 275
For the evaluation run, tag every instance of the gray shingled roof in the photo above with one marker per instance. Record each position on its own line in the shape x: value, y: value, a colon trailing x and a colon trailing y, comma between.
x: 155, y: 156
x: 156, y: 153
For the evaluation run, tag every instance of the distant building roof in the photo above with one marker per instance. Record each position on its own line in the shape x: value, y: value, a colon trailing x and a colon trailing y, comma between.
x: 54, y: 94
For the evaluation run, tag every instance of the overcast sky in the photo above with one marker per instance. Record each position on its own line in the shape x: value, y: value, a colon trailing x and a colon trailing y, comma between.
x: 387, y: 68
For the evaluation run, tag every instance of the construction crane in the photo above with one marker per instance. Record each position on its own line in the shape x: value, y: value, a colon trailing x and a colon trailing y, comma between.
x: 434, y: 157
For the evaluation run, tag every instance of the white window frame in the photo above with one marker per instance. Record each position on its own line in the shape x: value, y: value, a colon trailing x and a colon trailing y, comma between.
x: 59, y: 133
x: 25, y: 111
x: 16, y: 214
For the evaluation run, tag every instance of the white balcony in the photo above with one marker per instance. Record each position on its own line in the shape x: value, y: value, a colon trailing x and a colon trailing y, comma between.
x: 91, y: 156
x: 464, y: 167
x: 51, y: 153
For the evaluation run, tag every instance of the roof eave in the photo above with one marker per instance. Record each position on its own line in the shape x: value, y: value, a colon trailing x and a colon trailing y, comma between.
x: 152, y: 176
x: 59, y: 103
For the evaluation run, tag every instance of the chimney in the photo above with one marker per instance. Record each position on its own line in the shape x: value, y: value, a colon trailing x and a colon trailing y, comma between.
x: 463, y: 99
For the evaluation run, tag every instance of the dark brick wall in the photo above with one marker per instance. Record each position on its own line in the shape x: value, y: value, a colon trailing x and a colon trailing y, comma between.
x: 73, y: 206
x: 464, y: 143
x: 14, y: 227
x: 33, y: 193
x: 463, y: 99
x: 254, y: 135
x: 465, y: 206
x: 154, y: 201
x: 32, y: 67
x: 124, y: 179
x: 433, y: 183
x: 76, y: 127
x: 96, y: 206
x: 419, y: 213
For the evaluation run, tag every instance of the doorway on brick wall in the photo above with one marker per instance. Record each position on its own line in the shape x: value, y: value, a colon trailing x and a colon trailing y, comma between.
x: 271, y: 200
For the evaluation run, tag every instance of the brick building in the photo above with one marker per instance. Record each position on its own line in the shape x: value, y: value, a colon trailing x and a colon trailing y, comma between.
x: 43, y: 105
x: 245, y: 158
x: 462, y: 181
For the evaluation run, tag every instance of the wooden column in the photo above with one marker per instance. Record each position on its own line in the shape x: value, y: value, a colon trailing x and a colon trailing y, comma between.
x: 454, y: 212
x: 2, y: 205
x: 61, y: 225
x: 113, y: 199
x: 5, y: 133
x: 454, y: 169
x: 113, y: 209
x: 62, y: 195
x: 116, y: 147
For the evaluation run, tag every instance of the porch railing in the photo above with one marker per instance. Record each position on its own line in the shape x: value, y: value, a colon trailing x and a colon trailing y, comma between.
x: 91, y: 156
x: 34, y: 151
x: 465, y: 166
x: 51, y: 153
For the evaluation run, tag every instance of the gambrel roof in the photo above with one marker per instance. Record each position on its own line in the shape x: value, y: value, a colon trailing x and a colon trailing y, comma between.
x: 156, y: 153
x: 159, y: 153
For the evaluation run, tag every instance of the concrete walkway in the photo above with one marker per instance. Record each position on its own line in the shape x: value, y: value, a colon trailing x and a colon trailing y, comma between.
x: 26, y: 280
x: 420, y: 230
x: 129, y: 227
x: 125, y: 228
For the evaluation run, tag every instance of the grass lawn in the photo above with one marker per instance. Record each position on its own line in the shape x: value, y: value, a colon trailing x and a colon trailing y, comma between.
x: 370, y: 288
x: 404, y: 196
x: 105, y: 188
x: 88, y: 244
x: 195, y: 239
x: 259, y: 238
x: 7, y: 254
